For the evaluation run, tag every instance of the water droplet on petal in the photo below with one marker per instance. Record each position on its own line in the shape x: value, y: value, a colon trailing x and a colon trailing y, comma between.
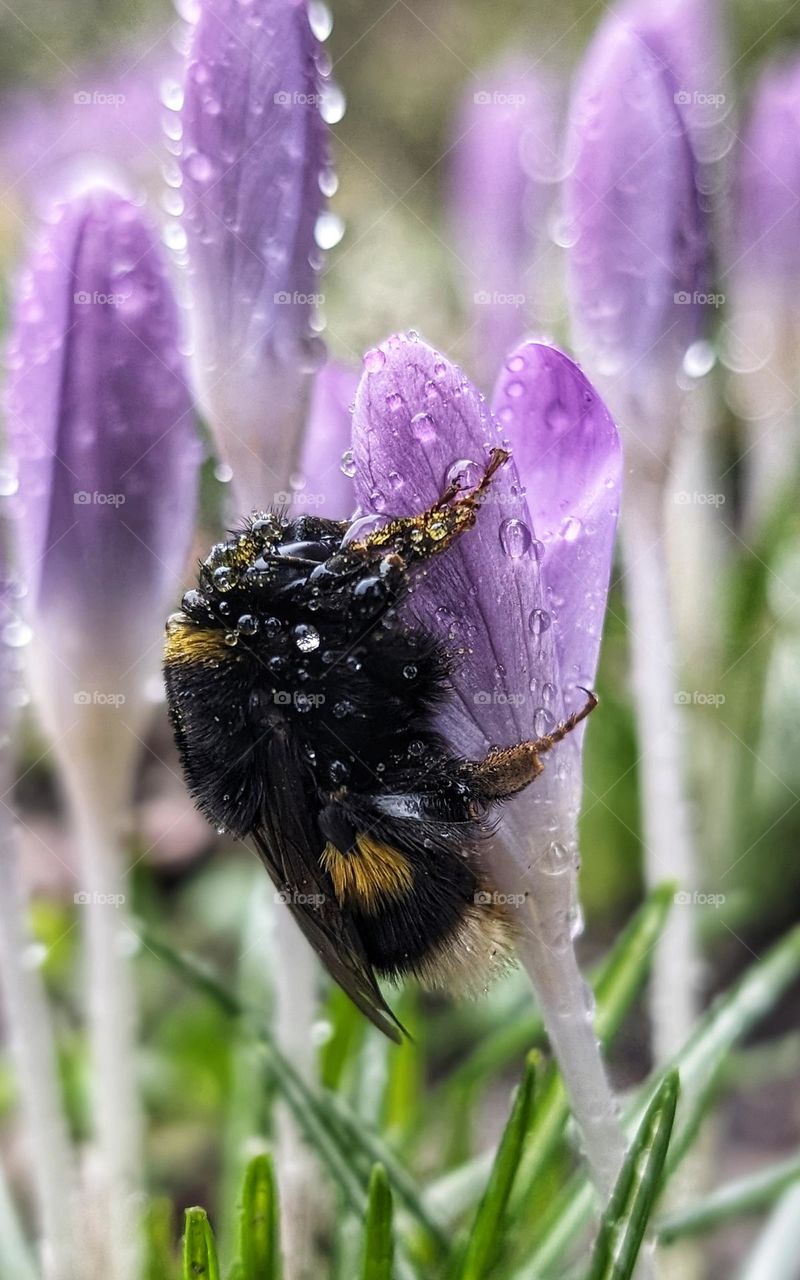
x: 347, y: 466
x: 374, y: 359
x: 515, y: 538
x: 539, y: 621
x: 423, y: 425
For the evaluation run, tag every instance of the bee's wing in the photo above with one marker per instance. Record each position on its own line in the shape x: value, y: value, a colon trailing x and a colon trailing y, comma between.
x: 285, y: 839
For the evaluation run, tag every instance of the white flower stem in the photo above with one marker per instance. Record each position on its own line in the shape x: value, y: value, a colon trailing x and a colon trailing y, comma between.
x: 99, y: 802
x: 546, y: 950
x: 33, y: 1047
x: 665, y: 819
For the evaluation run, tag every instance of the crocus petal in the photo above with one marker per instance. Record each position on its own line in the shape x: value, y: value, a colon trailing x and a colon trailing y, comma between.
x: 254, y: 160
x: 418, y: 422
x: 327, y: 477
x: 569, y: 458
x: 100, y: 422
x: 505, y: 158
x: 638, y: 260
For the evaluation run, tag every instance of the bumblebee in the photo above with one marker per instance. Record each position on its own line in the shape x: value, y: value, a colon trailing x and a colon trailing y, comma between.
x: 302, y: 699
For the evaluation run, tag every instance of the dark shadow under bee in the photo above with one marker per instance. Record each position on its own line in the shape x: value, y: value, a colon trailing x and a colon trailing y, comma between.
x: 303, y: 707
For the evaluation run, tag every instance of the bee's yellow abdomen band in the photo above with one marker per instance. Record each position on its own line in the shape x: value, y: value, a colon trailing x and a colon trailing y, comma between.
x: 368, y: 874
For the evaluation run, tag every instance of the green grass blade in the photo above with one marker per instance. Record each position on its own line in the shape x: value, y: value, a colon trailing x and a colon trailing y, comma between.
x: 736, y: 1199
x: 259, y: 1223
x: 378, y: 1230
x: 199, y: 1250
x: 699, y: 1063
x: 625, y: 1220
x: 484, y: 1237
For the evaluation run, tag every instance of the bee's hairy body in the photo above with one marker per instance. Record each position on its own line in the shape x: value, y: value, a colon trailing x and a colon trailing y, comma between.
x: 302, y: 704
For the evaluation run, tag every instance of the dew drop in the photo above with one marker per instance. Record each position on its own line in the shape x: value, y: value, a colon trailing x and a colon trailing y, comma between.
x: 543, y: 721
x: 374, y: 360
x: 555, y: 860
x: 306, y: 637
x: 515, y: 538
x: 423, y: 426
x: 328, y: 230
x: 570, y: 530
x: 347, y: 466
x: 539, y: 621
x: 465, y: 473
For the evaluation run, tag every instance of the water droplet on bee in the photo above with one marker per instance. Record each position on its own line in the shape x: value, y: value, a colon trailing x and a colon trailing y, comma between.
x: 410, y: 671
x: 306, y: 637
x: 223, y: 578
x: 247, y: 624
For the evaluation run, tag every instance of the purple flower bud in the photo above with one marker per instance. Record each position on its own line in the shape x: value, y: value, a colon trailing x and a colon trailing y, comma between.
x: 255, y: 162
x: 100, y: 424
x: 767, y: 245
x: 326, y: 465
x: 520, y: 599
x: 505, y: 158
x: 638, y: 263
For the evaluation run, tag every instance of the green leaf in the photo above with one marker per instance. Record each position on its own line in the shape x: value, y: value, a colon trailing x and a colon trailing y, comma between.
x: 485, y: 1235
x: 259, y: 1223
x: 625, y: 1220
x: 378, y: 1233
x: 699, y: 1063
x: 199, y: 1252
x: 745, y: 1195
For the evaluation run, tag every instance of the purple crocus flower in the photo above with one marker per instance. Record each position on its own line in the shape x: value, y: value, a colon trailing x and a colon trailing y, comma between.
x: 255, y: 164
x: 100, y: 424
x: 326, y: 467
x: 505, y: 159
x: 639, y: 239
x: 519, y: 603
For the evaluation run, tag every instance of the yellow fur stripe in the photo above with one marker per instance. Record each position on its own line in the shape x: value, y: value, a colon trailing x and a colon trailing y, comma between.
x: 186, y: 642
x: 374, y: 872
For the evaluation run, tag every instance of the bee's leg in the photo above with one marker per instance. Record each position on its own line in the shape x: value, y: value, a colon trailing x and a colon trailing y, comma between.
x: 507, y: 770
x: 426, y: 534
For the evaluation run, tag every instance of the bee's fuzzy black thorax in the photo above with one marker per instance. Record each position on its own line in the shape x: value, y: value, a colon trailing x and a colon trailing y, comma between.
x: 302, y: 699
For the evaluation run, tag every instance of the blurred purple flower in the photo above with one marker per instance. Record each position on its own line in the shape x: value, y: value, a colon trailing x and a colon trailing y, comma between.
x: 100, y: 424
x: 521, y: 598
x: 505, y: 160
x: 255, y: 163
x: 106, y: 115
x: 767, y: 230
x: 639, y: 256
x: 326, y: 470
